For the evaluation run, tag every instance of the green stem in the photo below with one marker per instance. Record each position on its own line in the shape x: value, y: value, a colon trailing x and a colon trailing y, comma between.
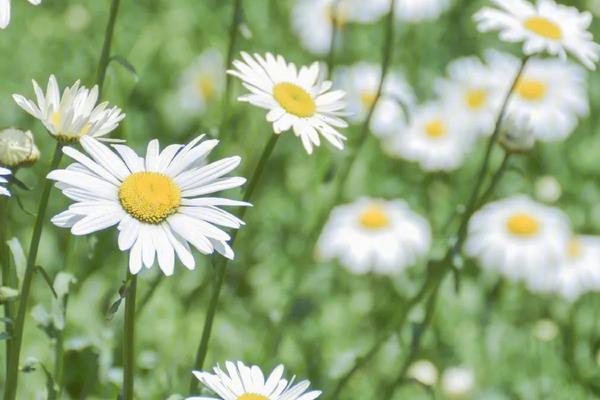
x: 222, y: 262
x: 59, y: 350
x: 129, y: 338
x: 105, y: 55
x: 5, y: 264
x: 495, y: 179
x: 335, y: 30
x: 12, y: 374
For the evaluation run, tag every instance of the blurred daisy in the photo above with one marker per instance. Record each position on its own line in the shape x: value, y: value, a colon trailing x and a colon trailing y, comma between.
x: 580, y: 272
x: 422, y: 10
x: 435, y: 138
x: 374, y: 235
x: 313, y: 20
x: 5, y: 11
x: 3, y: 180
x: 458, y: 382
x: 474, y: 92
x: 203, y: 82
x: 17, y: 148
x: 74, y: 115
x: 551, y: 94
x: 521, y: 239
x: 158, y: 202
x: 361, y: 82
x: 296, y: 99
x: 423, y: 371
x: 547, y: 26
x: 241, y: 382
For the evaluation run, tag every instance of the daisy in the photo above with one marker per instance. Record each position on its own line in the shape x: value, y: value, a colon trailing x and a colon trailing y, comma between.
x: 5, y: 11
x: 551, y: 94
x: 375, y: 235
x: 158, y: 203
x: 435, y: 138
x: 580, y: 272
x: 203, y: 82
x: 422, y: 10
x: 543, y: 27
x: 474, y: 92
x: 361, y: 82
x: 3, y: 174
x: 523, y: 240
x: 17, y: 148
x: 241, y: 382
x: 458, y: 382
x: 296, y: 98
x: 74, y: 115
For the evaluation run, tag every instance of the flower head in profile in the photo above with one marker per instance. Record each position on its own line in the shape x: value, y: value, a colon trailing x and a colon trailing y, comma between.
x: 5, y: 11
x: 297, y: 99
x: 73, y: 115
x: 3, y: 180
x: 421, y: 10
x: 17, y: 148
x: 241, y: 382
x: 543, y: 27
x: 159, y: 202
x: 202, y: 82
x: 382, y: 236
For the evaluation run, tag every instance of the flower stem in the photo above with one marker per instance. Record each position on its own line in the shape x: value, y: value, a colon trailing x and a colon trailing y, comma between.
x: 221, y: 267
x: 105, y: 55
x: 12, y: 373
x: 129, y: 338
x: 5, y: 265
x: 335, y: 31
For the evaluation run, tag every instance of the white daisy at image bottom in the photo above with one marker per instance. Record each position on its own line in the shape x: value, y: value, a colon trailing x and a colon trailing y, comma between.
x: 421, y: 10
x: 241, y: 382
x: 523, y: 240
x: 375, y: 235
x: 3, y: 174
x: 296, y: 98
x: 159, y: 203
x: 435, y: 138
x: 5, y: 11
x: 580, y: 272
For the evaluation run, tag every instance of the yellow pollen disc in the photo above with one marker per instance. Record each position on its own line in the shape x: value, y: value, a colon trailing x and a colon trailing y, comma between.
x: 476, y: 98
x: 521, y: 224
x: 55, y: 119
x: 68, y: 137
x: 149, y: 196
x: 531, y: 89
x: 435, y: 129
x: 206, y: 87
x: 368, y: 98
x: 337, y: 15
x: 374, y: 217
x: 574, y: 248
x: 294, y: 99
x: 252, y: 396
x: 544, y: 27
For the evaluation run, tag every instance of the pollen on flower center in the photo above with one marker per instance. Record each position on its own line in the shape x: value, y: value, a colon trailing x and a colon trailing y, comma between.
x: 524, y: 225
x: 149, y: 196
x: 574, y: 248
x: 476, y: 98
x: 374, y: 217
x: 531, y: 89
x: 435, y: 129
x: 252, y: 396
x: 205, y: 86
x: 294, y: 99
x: 544, y: 27
x: 368, y: 98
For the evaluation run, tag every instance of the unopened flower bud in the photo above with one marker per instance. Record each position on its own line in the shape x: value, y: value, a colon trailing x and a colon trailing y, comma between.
x: 17, y: 148
x: 516, y: 135
x: 8, y: 294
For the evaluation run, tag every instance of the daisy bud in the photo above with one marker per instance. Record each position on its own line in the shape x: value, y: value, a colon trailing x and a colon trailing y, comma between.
x: 17, y: 148
x: 516, y: 135
x: 424, y: 371
x: 458, y: 382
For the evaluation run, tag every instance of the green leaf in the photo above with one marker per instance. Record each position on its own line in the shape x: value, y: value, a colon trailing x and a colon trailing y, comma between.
x: 43, y: 272
x: 18, y: 256
x: 125, y: 64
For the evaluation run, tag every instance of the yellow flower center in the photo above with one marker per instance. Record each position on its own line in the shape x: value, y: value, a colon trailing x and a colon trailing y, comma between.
x: 374, y: 217
x: 252, y: 396
x: 544, y: 27
x: 149, y: 196
x: 574, y: 248
x: 337, y: 15
x: 476, y: 98
x: 368, y: 97
x: 206, y: 87
x: 294, y: 99
x: 435, y: 129
x: 521, y: 224
x: 69, y: 137
x: 531, y: 89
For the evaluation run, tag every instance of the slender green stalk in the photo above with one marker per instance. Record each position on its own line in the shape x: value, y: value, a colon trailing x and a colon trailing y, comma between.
x: 221, y: 267
x: 335, y: 30
x: 59, y: 350
x: 12, y: 373
x: 129, y: 338
x: 148, y: 295
x: 108, y: 37
x: 495, y: 179
x: 5, y: 264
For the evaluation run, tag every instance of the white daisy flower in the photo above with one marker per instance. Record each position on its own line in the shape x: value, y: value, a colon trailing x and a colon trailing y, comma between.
x: 241, y: 382
x: 580, y: 272
x: 203, y: 82
x: 313, y: 20
x: 158, y: 202
x: 458, y: 382
x: 543, y: 27
x: 74, y: 115
x: 551, y: 94
x: 3, y: 180
x: 474, y: 92
x: 17, y: 148
x: 375, y: 235
x: 436, y: 138
x: 421, y: 10
x: 523, y: 240
x: 5, y: 11
x: 296, y: 98
x: 361, y: 82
